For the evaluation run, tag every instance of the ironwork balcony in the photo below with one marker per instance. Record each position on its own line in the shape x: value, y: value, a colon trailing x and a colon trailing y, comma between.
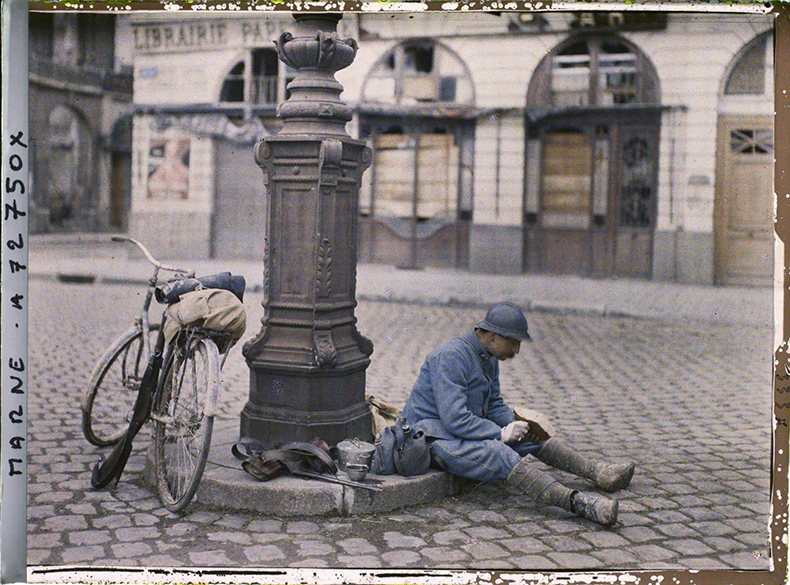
x: 66, y: 73
x: 83, y: 75
x: 263, y: 89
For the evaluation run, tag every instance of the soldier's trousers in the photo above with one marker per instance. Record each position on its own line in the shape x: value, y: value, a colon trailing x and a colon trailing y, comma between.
x: 488, y: 460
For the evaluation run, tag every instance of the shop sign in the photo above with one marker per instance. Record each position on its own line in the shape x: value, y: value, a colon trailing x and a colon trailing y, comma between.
x: 202, y: 34
x: 621, y: 21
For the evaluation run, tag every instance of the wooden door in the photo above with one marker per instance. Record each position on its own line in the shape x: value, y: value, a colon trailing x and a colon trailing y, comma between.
x: 120, y: 190
x: 632, y: 208
x: 743, y: 207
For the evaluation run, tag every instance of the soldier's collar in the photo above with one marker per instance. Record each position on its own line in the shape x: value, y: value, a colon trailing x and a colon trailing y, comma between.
x: 471, y: 338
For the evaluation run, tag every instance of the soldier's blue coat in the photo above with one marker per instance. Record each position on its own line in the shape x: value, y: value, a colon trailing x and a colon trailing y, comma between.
x: 456, y: 401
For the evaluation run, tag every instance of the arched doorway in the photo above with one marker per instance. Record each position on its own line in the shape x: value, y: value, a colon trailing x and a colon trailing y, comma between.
x: 743, y: 205
x: 593, y: 120
x: 416, y: 115
x: 71, y: 203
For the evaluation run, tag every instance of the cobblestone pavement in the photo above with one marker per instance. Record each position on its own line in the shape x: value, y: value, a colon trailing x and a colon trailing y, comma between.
x: 688, y: 401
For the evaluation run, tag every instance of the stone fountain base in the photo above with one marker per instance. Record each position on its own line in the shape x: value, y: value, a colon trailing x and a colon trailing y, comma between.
x: 226, y: 485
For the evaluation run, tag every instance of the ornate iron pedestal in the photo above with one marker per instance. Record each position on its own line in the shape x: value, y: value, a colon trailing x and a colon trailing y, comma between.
x: 307, y: 363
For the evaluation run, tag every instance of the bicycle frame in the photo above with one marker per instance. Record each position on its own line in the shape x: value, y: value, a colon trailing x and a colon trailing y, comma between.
x: 157, y: 368
x: 112, y: 468
x: 143, y: 321
x: 187, y: 336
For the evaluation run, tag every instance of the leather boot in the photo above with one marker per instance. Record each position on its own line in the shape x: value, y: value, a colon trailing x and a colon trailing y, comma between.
x: 608, y: 477
x: 595, y: 507
x: 544, y: 489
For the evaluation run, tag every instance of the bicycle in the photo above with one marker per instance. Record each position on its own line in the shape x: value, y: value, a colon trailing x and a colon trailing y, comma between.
x: 173, y: 384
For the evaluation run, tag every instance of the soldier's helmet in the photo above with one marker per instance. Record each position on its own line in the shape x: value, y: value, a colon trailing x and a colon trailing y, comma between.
x: 507, y: 320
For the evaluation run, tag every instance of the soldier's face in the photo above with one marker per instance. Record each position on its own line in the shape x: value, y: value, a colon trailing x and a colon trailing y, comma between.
x: 503, y: 348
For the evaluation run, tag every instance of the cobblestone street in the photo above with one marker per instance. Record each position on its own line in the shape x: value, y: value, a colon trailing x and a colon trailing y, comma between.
x: 688, y: 401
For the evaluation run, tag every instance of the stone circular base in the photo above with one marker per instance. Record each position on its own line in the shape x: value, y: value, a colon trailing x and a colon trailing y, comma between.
x: 226, y: 485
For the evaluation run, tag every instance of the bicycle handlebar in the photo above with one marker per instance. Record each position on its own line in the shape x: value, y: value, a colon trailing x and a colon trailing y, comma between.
x: 151, y: 259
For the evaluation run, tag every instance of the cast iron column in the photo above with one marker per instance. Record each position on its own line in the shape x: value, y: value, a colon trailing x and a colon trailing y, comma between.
x: 307, y: 363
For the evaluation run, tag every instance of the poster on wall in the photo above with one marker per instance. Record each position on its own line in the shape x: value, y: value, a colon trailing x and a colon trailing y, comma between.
x: 168, y: 169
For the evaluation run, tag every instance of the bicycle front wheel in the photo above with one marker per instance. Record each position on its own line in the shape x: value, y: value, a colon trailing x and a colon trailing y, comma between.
x: 182, y: 435
x: 112, y: 390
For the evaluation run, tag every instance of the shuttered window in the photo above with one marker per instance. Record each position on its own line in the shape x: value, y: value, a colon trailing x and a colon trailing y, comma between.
x: 436, y: 157
x: 567, y: 172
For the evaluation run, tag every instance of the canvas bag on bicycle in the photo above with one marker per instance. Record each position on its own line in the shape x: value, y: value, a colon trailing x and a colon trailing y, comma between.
x: 212, y: 309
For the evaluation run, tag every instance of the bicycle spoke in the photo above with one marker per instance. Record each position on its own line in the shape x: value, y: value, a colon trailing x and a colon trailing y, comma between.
x: 183, y: 432
x: 113, y: 390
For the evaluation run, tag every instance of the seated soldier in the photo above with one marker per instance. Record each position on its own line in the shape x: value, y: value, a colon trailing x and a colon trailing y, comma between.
x: 456, y: 402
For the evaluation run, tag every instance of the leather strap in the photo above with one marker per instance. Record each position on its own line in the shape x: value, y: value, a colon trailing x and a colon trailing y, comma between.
x: 265, y: 464
x: 311, y: 449
x: 249, y: 445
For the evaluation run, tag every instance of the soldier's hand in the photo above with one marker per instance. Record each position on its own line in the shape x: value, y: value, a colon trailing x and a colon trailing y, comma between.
x: 515, y: 432
x: 533, y: 438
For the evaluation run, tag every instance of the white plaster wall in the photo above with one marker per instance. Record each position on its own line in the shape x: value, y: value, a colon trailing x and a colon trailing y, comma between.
x: 193, y: 75
x: 502, y: 67
x: 431, y: 25
x: 124, y: 42
x: 691, y: 85
x: 500, y: 206
x: 352, y: 78
x: 180, y: 79
x: 691, y: 58
x: 171, y: 226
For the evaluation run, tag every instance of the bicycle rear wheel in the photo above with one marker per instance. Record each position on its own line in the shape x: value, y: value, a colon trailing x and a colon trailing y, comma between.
x: 112, y: 389
x: 182, y: 434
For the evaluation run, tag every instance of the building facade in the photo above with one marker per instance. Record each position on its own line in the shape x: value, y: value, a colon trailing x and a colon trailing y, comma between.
x: 80, y: 124
x: 607, y: 144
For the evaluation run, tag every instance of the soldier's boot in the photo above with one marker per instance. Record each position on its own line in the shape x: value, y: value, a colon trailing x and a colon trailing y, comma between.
x: 544, y: 489
x: 608, y: 477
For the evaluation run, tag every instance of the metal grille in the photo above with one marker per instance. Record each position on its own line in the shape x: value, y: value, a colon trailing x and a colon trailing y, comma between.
x: 636, y: 191
x: 752, y: 141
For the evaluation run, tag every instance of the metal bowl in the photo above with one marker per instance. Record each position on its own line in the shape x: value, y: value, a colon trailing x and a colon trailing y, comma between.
x: 357, y: 471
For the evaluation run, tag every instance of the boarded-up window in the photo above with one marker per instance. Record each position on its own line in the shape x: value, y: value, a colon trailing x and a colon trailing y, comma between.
x: 570, y: 76
x: 394, y: 175
x: 567, y: 172
x: 436, y: 157
x: 594, y: 71
x: 419, y: 71
x: 438, y: 176
x: 617, y: 75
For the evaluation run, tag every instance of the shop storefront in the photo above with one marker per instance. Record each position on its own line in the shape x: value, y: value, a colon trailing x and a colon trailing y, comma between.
x: 576, y: 143
x: 593, y: 119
